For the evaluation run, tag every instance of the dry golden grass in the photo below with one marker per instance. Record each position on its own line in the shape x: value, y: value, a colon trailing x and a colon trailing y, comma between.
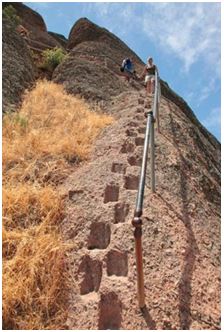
x: 28, y: 205
x: 34, y: 279
x: 41, y: 143
x: 52, y: 127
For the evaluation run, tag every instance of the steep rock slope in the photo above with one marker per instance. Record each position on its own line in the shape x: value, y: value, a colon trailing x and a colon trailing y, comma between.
x: 38, y: 36
x: 181, y: 231
x: 85, y: 30
x: 18, y: 69
x: 92, y: 67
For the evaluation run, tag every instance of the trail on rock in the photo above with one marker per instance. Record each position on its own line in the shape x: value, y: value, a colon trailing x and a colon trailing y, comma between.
x: 181, y: 226
x: 181, y: 221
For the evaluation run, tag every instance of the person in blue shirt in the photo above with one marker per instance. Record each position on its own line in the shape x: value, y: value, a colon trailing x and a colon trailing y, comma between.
x: 128, y: 69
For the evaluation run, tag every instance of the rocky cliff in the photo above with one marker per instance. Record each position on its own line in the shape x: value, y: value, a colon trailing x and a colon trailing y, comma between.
x: 18, y: 70
x: 181, y: 224
x: 21, y: 51
x: 92, y: 67
x: 60, y: 38
x: 181, y: 231
x: 38, y: 36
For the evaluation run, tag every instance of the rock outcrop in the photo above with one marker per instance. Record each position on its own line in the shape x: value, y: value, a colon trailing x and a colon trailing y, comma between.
x: 38, y: 38
x: 92, y: 67
x: 18, y: 70
x: 181, y: 232
x: 181, y: 225
x: 60, y: 38
x: 181, y: 221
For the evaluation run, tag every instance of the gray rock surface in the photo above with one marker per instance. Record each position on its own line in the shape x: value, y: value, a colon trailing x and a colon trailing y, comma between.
x: 18, y: 70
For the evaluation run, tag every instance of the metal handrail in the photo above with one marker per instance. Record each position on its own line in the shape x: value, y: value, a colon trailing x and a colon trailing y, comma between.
x: 157, y: 97
x: 152, y: 116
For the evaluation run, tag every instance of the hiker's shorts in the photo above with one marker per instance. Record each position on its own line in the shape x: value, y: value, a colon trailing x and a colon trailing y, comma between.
x: 149, y: 78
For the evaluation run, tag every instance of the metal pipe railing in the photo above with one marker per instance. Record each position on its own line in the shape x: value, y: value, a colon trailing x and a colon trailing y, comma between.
x: 141, y: 187
x: 152, y: 154
x: 137, y: 221
x: 157, y: 95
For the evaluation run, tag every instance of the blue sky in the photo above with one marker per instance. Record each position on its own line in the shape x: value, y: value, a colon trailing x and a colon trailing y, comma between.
x: 183, y: 38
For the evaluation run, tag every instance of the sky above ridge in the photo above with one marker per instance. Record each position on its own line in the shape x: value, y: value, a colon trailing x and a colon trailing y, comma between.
x: 184, y: 39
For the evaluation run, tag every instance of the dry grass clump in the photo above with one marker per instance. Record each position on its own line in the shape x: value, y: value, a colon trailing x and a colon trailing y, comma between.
x: 35, y: 284
x: 41, y: 143
x: 34, y: 280
x: 28, y: 205
x: 51, y: 125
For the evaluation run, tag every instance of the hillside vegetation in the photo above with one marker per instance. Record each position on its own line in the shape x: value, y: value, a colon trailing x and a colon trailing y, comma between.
x: 50, y: 134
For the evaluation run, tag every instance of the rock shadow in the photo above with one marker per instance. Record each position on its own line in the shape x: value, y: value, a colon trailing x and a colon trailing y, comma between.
x: 148, y: 319
x: 191, y: 251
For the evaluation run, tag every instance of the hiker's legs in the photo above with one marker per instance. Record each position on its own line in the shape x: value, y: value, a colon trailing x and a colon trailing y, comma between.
x: 148, y: 83
x: 148, y: 87
x: 152, y: 82
x: 127, y: 75
x: 127, y: 78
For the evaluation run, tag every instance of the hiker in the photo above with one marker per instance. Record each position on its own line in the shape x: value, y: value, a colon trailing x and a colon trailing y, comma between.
x: 127, y: 68
x: 149, y: 73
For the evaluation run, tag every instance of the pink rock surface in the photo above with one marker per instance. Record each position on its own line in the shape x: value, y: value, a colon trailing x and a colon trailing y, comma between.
x: 181, y: 227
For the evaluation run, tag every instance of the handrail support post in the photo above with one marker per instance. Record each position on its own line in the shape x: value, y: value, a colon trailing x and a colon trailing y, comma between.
x: 137, y: 223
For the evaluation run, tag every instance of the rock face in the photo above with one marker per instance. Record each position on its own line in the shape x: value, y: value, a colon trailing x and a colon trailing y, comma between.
x: 18, y: 70
x: 60, y: 38
x: 38, y: 36
x: 181, y: 222
x: 31, y: 20
x: 92, y: 67
x: 181, y: 225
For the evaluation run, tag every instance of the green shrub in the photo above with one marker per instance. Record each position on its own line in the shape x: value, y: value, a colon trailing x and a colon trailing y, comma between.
x: 9, y: 12
x: 52, y: 58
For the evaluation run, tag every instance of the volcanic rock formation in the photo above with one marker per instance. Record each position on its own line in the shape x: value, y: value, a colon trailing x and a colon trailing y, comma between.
x: 60, y: 38
x: 32, y: 21
x: 92, y: 67
x: 18, y: 71
x: 181, y: 224
x: 181, y: 221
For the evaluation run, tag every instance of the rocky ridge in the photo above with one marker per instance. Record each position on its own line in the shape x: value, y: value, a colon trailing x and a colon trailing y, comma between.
x: 92, y: 67
x: 181, y: 232
x: 181, y: 226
